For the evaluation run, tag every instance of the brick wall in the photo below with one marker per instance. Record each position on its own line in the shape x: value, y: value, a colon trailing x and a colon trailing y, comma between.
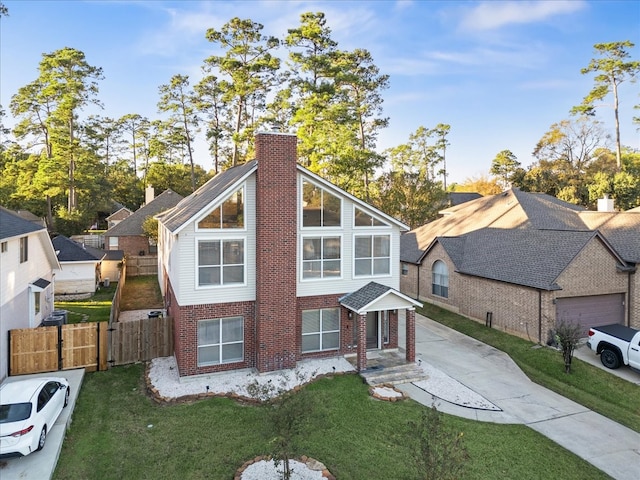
x: 131, y: 244
x: 276, y: 248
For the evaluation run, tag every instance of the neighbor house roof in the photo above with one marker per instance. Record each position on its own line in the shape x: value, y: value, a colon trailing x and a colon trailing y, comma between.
x: 132, y: 225
x: 531, y: 258
x: 69, y: 250
x: 13, y: 225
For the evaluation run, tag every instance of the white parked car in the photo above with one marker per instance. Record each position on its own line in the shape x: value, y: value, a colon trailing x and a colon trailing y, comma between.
x: 28, y: 410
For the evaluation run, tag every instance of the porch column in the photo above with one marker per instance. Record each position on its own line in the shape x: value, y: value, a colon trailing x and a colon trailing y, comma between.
x: 410, y: 347
x: 362, y: 342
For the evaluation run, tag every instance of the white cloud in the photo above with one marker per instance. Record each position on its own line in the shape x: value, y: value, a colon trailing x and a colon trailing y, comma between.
x: 493, y: 15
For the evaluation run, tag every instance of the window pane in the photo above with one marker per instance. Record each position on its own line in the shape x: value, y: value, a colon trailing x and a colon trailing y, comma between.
x: 311, y: 205
x: 233, y: 252
x: 233, y: 274
x: 208, y: 332
x: 378, y: 223
x: 310, y: 343
x: 381, y: 266
x: 211, y: 221
x: 363, y: 247
x: 209, y: 355
x: 362, y: 219
x: 330, y: 319
x: 363, y: 267
x: 331, y: 268
x: 331, y: 247
x: 232, y: 353
x: 331, y: 211
x: 311, y: 269
x: 209, y: 276
x: 232, y: 329
x: 232, y: 211
x: 381, y: 246
x: 311, y: 249
x: 310, y: 321
x: 209, y: 253
x: 330, y: 341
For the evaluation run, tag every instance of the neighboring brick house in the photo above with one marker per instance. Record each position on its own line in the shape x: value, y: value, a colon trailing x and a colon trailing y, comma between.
x: 80, y: 267
x: 127, y: 235
x: 27, y: 267
x: 116, y: 217
x: 267, y: 264
x: 524, y: 261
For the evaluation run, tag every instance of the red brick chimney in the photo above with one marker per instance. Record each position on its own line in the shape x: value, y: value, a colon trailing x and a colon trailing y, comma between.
x: 276, y: 260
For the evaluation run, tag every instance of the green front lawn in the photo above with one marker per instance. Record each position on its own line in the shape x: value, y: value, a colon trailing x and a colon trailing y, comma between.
x: 119, y: 433
x: 596, y: 389
x: 94, y: 309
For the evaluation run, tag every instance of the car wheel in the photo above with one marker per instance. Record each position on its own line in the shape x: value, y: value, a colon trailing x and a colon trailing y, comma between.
x: 609, y: 359
x: 43, y: 437
x: 66, y: 397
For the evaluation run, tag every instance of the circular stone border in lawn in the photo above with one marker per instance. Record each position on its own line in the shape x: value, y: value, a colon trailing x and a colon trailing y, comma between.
x: 310, y: 463
x: 386, y: 392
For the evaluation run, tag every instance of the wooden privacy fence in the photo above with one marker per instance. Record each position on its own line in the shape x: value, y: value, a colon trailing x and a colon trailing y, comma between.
x: 62, y: 347
x: 139, y: 265
x: 141, y: 340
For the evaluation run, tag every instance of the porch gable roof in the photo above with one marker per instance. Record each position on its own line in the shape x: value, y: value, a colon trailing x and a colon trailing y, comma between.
x: 373, y: 297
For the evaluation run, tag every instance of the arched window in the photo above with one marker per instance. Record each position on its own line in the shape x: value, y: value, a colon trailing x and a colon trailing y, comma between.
x: 440, y: 279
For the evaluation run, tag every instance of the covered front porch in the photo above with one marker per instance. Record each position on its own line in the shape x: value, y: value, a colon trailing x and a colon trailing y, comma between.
x: 373, y: 308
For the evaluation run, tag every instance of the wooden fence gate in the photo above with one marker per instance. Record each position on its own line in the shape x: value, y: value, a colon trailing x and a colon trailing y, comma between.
x: 141, y: 340
x: 63, y: 347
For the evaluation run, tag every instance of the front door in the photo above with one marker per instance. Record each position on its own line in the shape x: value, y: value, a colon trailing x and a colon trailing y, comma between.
x: 372, y: 330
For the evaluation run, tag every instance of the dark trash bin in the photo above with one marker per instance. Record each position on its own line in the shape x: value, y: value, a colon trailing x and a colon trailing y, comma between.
x: 155, y: 314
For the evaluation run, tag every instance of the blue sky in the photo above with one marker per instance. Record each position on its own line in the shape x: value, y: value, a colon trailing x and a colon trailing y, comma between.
x: 500, y: 73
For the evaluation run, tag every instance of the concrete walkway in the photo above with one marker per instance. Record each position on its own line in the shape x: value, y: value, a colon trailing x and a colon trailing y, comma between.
x: 607, y: 445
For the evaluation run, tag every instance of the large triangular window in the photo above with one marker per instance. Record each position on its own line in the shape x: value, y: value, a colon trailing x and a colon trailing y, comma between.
x: 229, y: 214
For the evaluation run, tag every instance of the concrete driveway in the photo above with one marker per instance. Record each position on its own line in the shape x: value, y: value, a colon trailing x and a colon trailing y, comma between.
x: 607, y: 445
x: 41, y: 465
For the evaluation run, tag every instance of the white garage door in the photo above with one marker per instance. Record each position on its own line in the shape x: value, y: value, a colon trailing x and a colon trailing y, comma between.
x: 591, y: 311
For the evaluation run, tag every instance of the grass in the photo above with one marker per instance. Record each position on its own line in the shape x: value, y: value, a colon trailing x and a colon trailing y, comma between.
x: 95, y: 309
x: 141, y: 293
x: 118, y: 432
x: 587, y: 385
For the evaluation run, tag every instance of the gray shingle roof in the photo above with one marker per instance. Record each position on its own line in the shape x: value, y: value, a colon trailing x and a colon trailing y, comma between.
x: 528, y: 257
x: 548, y: 213
x: 132, y: 225
x: 184, y: 211
x: 11, y: 225
x: 364, y: 296
x: 69, y: 250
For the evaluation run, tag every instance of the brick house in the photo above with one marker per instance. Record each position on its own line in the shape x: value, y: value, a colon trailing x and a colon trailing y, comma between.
x: 524, y: 261
x: 127, y: 234
x: 267, y: 264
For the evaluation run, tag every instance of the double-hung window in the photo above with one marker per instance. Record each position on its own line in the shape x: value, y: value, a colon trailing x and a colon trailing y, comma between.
x: 220, y: 341
x: 220, y: 262
x: 320, y: 330
x: 440, y: 279
x: 321, y: 257
x: 24, y: 249
x: 372, y: 255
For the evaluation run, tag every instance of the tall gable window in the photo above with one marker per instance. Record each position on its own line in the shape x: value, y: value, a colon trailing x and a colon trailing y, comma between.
x: 440, y: 279
x: 372, y: 255
x: 220, y: 262
x: 24, y: 249
x: 220, y: 341
x: 319, y: 207
x: 363, y: 219
x: 230, y: 214
x: 321, y: 257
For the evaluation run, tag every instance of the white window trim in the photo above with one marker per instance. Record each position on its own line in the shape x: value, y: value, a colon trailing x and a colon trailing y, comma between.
x: 301, y: 207
x: 321, y: 332
x: 218, y: 205
x: 373, y: 234
x: 197, y: 265
x: 386, y: 225
x: 321, y: 236
x: 220, y: 362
